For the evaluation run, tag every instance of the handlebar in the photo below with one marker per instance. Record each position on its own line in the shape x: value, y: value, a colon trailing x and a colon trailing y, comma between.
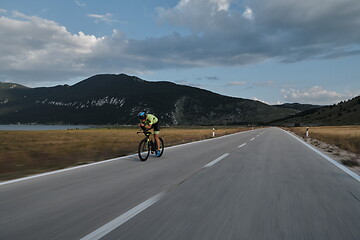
x: 146, y: 133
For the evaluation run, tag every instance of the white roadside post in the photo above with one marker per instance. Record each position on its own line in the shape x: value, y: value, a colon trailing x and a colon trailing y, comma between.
x: 213, y: 132
x: 307, y: 132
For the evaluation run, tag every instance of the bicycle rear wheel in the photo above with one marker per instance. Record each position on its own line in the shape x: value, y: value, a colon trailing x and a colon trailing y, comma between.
x: 144, y: 150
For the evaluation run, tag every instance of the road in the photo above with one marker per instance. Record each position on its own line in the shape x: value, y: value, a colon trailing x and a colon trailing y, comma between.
x: 259, y: 184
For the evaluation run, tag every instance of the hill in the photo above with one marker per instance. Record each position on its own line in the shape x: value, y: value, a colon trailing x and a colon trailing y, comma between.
x: 343, y: 113
x: 298, y: 106
x: 117, y: 99
x: 10, y: 85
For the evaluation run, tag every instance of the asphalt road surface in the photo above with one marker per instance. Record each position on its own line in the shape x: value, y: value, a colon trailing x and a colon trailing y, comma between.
x: 259, y: 184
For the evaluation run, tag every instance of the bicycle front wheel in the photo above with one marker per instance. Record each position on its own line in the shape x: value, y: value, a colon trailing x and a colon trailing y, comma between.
x: 161, y: 146
x: 144, y: 150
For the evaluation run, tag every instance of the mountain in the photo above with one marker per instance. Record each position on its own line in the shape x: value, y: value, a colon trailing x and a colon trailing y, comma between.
x: 117, y: 99
x: 343, y: 113
x: 10, y: 85
x: 298, y: 106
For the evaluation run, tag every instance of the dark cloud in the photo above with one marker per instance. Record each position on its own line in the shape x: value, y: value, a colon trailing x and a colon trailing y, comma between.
x: 212, y: 78
x: 222, y: 33
x: 288, y: 30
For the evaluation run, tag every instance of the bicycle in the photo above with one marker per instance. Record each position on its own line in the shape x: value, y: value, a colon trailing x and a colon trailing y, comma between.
x: 148, y: 145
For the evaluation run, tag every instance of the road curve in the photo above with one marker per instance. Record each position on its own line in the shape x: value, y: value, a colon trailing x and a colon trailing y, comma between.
x: 259, y: 184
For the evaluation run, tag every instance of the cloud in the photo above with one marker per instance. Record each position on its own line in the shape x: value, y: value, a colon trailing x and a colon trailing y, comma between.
x: 3, y: 10
x: 196, y: 15
x: 248, y: 14
x: 212, y: 78
x: 263, y: 84
x: 220, y: 33
x: 236, y: 83
x: 285, y: 30
x: 107, y: 18
x: 187, y: 83
x: 314, y: 95
x: 37, y: 49
x: 80, y: 4
x: 259, y: 100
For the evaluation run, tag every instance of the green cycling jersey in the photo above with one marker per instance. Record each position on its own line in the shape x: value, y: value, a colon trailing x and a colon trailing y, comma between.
x: 150, y: 119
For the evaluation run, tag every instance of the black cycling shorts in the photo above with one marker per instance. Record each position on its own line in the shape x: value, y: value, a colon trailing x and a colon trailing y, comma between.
x: 156, y: 126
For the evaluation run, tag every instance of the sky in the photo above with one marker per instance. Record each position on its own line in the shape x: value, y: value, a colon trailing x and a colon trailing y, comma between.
x: 273, y: 51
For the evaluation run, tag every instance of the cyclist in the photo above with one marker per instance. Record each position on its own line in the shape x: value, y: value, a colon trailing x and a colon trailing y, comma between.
x: 147, y: 122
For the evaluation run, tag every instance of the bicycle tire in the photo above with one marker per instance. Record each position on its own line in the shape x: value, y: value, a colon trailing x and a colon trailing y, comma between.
x: 161, y: 146
x: 144, y: 150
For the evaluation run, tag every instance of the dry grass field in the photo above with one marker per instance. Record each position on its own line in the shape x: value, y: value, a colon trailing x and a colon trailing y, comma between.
x: 344, y: 137
x: 30, y: 152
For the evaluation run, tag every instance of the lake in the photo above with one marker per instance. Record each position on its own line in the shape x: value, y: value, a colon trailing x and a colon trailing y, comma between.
x: 39, y: 127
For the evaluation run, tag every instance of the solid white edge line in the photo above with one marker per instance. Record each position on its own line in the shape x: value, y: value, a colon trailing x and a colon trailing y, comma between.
x: 342, y: 167
x: 117, y: 222
x: 109, y: 160
x: 242, y: 145
x: 216, y: 160
x: 64, y: 170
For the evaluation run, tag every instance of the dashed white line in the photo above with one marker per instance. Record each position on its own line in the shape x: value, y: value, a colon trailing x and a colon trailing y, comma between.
x: 117, y: 222
x: 217, y: 160
x: 242, y: 145
x: 252, y: 139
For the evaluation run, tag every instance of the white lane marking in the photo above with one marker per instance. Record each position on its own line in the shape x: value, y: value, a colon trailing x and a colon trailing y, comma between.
x: 242, y: 145
x: 117, y: 222
x: 342, y: 167
x: 252, y: 139
x: 217, y: 160
x: 64, y: 170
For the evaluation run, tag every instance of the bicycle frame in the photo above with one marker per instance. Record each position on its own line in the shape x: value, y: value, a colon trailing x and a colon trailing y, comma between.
x: 147, y: 137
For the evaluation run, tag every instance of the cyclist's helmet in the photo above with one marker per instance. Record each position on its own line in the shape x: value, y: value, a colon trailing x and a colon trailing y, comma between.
x: 142, y: 115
